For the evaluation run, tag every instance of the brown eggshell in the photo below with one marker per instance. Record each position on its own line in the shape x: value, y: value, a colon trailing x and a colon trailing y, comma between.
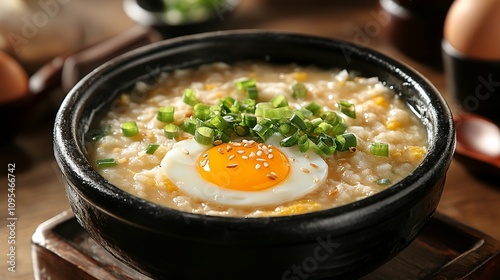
x: 472, y: 27
x: 13, y: 79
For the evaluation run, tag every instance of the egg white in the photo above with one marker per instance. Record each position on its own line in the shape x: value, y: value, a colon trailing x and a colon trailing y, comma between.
x: 180, y: 166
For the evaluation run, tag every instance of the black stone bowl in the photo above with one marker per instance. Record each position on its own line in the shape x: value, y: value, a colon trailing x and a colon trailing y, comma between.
x: 344, y: 242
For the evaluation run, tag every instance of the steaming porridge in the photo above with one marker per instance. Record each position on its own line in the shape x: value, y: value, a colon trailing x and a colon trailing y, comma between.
x: 253, y: 139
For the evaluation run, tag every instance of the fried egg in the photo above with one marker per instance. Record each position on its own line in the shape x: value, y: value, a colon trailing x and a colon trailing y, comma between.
x: 243, y: 173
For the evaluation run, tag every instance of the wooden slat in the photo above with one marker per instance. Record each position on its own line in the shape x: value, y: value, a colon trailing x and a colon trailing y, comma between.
x: 445, y: 249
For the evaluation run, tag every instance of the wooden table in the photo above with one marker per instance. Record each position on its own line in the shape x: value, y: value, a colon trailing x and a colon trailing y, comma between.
x: 39, y: 191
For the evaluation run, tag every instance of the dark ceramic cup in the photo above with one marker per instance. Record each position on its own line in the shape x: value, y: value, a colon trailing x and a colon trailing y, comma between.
x: 474, y: 84
x: 343, y: 242
x: 416, y: 27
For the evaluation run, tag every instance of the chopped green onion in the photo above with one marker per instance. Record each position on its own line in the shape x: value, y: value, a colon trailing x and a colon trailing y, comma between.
x: 384, y: 182
x: 171, y: 131
x: 259, y: 108
x: 323, y: 127
x: 250, y: 86
x: 241, y: 85
x: 298, y: 122
x: 248, y: 105
x: 276, y: 113
x: 189, y: 126
x: 347, y: 108
x: 303, y: 113
x: 151, y: 149
x: 264, y: 129
x: 214, y: 110
x: 106, y: 162
x: 309, y: 128
x: 299, y: 90
x: 330, y: 117
x: 345, y: 141
x: 236, y: 108
x: 189, y: 97
x: 339, y: 128
x: 289, y: 141
x: 286, y: 128
x: 232, y: 118
x: 303, y: 143
x: 252, y: 92
x: 314, y: 108
x: 166, y: 114
x: 202, y: 111
x: 227, y: 102
x: 249, y: 120
x: 326, y: 144
x: 279, y: 101
x: 202, y: 123
x: 219, y: 122
x: 241, y: 130
x: 379, y: 149
x: 222, y: 136
x: 204, y: 135
x: 313, y: 147
x: 129, y: 129
x: 316, y: 122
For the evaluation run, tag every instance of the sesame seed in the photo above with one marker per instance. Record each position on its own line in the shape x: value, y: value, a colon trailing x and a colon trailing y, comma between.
x: 229, y: 148
x: 259, y: 153
x: 244, y: 157
x: 220, y: 150
x: 257, y: 166
x: 270, y: 150
x: 185, y: 151
x: 231, y: 157
x: 270, y: 156
x: 272, y: 176
x: 233, y: 165
x: 203, y: 163
x: 305, y: 170
x: 252, y: 154
x: 313, y: 165
x: 237, y: 144
x: 217, y: 142
x: 266, y: 165
x: 315, y: 179
x: 240, y: 152
x: 250, y: 144
x: 260, y: 159
x: 205, y: 155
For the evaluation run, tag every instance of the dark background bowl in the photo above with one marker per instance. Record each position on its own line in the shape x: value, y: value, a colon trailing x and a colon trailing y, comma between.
x: 344, y: 242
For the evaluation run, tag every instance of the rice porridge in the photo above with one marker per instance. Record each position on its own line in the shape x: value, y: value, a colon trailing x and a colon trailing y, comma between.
x: 253, y: 139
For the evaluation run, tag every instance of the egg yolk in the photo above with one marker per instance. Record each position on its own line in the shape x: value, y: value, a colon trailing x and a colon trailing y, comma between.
x: 245, y: 166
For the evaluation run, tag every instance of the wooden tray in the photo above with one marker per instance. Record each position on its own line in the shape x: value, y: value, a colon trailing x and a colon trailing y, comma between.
x: 445, y: 249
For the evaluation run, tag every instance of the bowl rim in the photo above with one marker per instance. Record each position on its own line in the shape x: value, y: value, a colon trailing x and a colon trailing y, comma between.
x: 75, y: 167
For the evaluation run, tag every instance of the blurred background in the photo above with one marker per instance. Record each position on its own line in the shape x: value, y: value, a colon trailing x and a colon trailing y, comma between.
x: 46, y: 46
